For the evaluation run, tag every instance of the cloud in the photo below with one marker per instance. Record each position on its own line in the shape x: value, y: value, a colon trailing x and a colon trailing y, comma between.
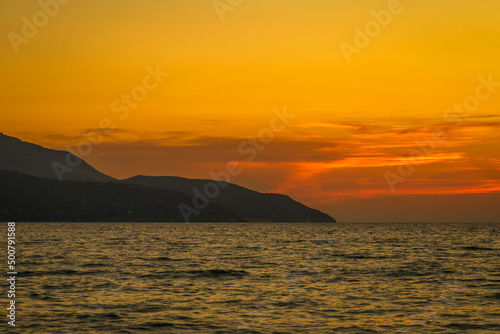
x: 312, y: 166
x: 484, y: 116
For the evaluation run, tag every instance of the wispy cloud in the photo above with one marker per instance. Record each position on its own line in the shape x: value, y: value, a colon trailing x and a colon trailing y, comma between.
x: 314, y: 167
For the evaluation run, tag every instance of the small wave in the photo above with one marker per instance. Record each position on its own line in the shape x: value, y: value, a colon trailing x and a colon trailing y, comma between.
x: 36, y: 256
x: 403, y: 273
x: 57, y: 287
x: 52, y: 272
x: 150, y: 309
x: 105, y: 285
x: 361, y: 257
x: 31, y: 263
x: 40, y: 297
x: 291, y: 241
x: 285, y: 304
x: 84, y: 316
x: 494, y: 296
x: 478, y: 248
x: 158, y: 324
x: 92, y: 265
x: 305, y: 272
x: 264, y: 263
x: 35, y: 242
x: 112, y: 316
x: 235, y: 301
x: 219, y: 273
x: 465, y: 326
x: 63, y: 272
x: 321, y: 242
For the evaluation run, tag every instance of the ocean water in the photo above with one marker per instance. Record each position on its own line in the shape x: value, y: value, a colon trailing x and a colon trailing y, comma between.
x: 256, y: 278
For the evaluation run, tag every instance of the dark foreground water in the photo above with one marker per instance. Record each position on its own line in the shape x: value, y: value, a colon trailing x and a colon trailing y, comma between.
x: 256, y: 278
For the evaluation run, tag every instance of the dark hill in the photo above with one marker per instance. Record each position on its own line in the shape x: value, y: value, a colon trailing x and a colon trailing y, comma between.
x: 248, y: 204
x: 17, y: 155
x: 28, y: 198
x: 35, y: 160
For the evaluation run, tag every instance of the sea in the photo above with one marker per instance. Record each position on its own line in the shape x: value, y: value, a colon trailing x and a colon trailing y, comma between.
x: 255, y: 278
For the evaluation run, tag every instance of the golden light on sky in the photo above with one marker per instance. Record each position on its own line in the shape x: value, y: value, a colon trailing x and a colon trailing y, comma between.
x: 357, y: 116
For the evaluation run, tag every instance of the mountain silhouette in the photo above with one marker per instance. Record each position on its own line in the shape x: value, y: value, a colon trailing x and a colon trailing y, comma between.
x: 33, y: 199
x: 48, y: 190
x: 248, y: 204
x: 17, y: 155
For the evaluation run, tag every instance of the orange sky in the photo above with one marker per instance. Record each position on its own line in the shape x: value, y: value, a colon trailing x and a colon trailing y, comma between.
x: 356, y: 115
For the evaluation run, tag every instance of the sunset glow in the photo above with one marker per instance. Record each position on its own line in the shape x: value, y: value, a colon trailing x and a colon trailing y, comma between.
x: 168, y: 88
